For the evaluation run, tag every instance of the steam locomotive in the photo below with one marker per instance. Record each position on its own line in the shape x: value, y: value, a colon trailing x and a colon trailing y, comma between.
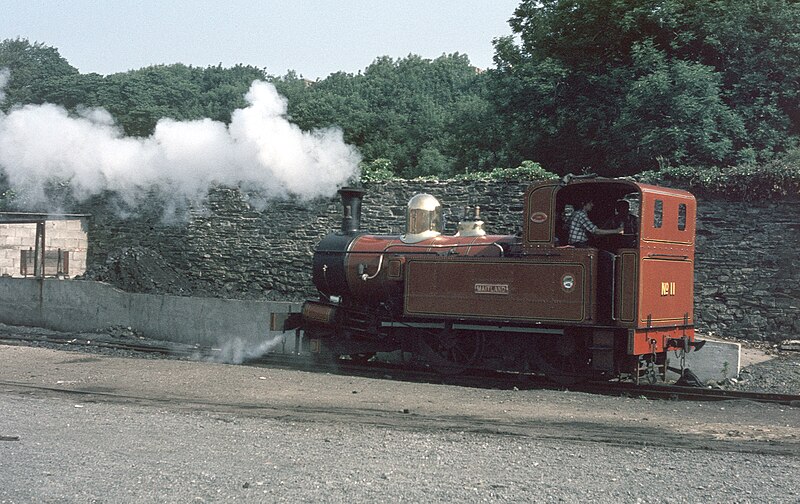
x: 523, y: 303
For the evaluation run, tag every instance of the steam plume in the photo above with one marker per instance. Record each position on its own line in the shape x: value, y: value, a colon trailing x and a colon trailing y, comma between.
x: 259, y: 150
x: 236, y: 350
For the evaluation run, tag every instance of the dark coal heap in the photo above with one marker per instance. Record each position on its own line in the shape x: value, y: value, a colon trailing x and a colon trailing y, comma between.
x: 139, y: 269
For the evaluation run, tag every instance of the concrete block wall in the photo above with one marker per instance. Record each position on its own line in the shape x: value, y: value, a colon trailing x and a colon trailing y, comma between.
x: 747, y: 272
x: 67, y: 235
x: 13, y: 239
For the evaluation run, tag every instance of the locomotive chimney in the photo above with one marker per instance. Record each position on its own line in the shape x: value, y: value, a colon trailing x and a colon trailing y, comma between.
x: 351, y: 202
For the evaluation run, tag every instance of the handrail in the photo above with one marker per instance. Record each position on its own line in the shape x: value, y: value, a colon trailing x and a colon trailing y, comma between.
x: 669, y: 256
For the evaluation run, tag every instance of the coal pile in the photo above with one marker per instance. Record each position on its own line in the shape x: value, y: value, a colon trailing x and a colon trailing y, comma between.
x: 141, y: 270
x: 144, y: 271
x: 779, y: 375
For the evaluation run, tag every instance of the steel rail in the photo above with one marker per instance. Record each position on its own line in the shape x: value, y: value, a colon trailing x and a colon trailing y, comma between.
x: 668, y: 391
x: 13, y: 339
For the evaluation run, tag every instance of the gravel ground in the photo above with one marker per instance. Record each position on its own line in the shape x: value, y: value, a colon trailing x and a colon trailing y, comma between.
x: 80, y: 449
x: 167, y: 430
x: 768, y: 367
x: 779, y: 375
x: 95, y: 453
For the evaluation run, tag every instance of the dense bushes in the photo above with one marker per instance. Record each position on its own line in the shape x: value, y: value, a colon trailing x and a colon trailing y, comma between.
x: 776, y: 179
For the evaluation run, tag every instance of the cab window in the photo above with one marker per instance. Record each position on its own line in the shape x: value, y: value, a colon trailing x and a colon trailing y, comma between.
x: 658, y: 214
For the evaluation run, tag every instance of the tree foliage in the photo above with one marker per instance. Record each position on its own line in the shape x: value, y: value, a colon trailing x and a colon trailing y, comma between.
x: 616, y: 86
x: 31, y: 65
x: 417, y: 113
x: 611, y: 86
x: 137, y: 99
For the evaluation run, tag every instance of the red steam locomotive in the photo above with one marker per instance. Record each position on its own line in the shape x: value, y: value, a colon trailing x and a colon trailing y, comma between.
x: 520, y: 303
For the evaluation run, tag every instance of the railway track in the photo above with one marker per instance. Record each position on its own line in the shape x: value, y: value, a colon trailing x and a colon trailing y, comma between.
x: 410, y: 372
x: 673, y: 392
x: 499, y: 380
x: 97, y: 341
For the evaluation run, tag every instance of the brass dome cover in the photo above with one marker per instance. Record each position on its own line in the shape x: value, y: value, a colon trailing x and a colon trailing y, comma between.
x: 423, y: 218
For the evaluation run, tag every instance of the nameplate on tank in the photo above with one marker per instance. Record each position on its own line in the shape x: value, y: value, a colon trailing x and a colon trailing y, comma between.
x: 482, y: 288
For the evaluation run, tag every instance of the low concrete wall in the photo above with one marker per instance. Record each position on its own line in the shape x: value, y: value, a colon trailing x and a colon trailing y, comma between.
x: 238, y: 327
x: 79, y: 305
x: 715, y: 362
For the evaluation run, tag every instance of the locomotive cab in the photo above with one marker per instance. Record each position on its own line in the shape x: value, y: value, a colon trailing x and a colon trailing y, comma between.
x: 643, y: 289
x: 561, y: 201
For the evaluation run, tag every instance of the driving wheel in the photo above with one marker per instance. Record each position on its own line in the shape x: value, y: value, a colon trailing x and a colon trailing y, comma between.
x: 451, y: 351
x: 563, y: 358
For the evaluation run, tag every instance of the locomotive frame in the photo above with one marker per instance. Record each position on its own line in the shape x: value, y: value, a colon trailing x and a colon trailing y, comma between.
x: 520, y: 303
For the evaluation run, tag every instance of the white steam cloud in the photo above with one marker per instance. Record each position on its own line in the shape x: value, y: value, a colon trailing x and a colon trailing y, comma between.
x: 260, y: 150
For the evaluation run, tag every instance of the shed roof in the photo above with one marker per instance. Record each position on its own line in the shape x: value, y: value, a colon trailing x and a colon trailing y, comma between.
x: 33, y: 217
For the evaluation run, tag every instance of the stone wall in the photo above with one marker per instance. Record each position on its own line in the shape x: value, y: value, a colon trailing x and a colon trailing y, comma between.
x: 747, y: 275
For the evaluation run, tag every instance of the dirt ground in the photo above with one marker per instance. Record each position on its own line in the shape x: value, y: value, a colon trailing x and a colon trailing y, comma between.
x: 342, y: 438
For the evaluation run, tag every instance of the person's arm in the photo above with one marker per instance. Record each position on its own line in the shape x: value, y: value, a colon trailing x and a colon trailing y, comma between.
x: 605, y: 232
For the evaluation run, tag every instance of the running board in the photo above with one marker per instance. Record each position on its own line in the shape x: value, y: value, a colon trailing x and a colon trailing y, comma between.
x: 471, y: 327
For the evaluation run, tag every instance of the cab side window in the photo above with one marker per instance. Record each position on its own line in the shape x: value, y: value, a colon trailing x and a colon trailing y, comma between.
x: 658, y: 214
x: 682, y: 217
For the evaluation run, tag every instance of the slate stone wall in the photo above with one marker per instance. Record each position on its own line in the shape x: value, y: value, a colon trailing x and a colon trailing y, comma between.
x: 747, y: 275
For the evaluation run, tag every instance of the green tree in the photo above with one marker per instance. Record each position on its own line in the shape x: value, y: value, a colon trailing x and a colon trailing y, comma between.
x: 222, y: 90
x: 755, y: 46
x: 672, y: 111
x: 474, y: 134
x: 30, y: 65
x: 137, y: 99
x: 574, y: 91
x: 411, y: 111
x: 70, y: 91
